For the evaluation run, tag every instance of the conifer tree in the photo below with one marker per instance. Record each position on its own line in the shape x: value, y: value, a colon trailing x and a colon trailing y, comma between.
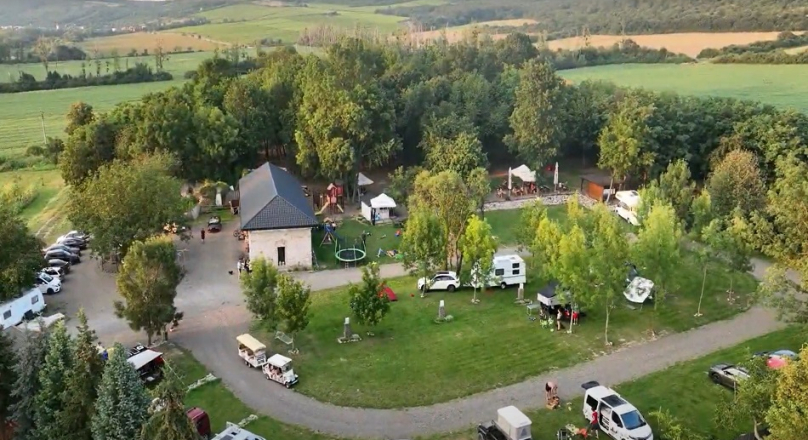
x: 8, y: 376
x: 27, y: 385
x: 81, y: 384
x: 49, y: 399
x: 170, y: 422
x: 123, y: 405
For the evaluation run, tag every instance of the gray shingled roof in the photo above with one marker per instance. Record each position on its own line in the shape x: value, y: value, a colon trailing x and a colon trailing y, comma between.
x: 271, y: 198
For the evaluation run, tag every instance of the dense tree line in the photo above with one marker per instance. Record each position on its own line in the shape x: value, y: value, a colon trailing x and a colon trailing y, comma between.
x: 615, y: 17
x: 54, y: 80
x: 775, y: 57
x: 784, y: 40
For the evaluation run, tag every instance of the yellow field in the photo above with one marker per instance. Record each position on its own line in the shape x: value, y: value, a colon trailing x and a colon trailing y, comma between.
x: 687, y: 43
x: 796, y: 50
x: 148, y: 40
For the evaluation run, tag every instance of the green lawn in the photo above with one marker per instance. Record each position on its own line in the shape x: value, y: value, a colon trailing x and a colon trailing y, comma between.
x: 486, y: 346
x: 505, y: 223
x: 21, y: 112
x: 222, y: 406
x: 382, y: 236
x: 780, y: 85
x: 249, y: 22
x: 683, y: 389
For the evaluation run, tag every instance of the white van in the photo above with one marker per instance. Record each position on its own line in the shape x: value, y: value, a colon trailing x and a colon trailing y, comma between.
x: 628, y: 202
x: 507, y: 270
x: 47, y: 284
x: 617, y: 418
x: 27, y: 306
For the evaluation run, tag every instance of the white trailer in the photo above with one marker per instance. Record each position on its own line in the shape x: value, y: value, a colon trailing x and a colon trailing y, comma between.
x: 235, y: 432
x: 26, y: 307
x: 506, y: 270
x: 513, y: 423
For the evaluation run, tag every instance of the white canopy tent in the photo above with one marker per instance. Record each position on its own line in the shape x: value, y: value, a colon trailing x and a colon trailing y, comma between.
x: 377, y: 209
x: 524, y: 174
x: 363, y: 180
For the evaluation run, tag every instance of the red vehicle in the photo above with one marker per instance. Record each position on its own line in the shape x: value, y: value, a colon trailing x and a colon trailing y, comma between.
x: 201, y: 421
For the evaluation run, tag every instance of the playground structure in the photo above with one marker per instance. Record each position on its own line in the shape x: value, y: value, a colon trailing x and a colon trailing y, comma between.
x: 333, y: 199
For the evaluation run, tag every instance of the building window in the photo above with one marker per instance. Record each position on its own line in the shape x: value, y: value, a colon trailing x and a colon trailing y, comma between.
x: 282, y: 256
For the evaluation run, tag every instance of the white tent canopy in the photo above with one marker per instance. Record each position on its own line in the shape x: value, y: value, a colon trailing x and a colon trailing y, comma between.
x: 383, y: 201
x: 363, y: 180
x: 524, y: 173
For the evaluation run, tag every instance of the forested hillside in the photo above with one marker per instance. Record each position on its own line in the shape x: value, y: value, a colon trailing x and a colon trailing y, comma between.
x: 563, y: 18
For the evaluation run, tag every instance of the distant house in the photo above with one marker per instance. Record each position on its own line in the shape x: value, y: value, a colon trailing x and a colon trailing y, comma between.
x: 277, y: 216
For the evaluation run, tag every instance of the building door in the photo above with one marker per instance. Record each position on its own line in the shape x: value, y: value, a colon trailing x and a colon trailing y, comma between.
x: 281, y: 256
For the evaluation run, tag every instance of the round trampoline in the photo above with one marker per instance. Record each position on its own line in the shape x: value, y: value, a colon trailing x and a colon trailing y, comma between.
x: 349, y: 255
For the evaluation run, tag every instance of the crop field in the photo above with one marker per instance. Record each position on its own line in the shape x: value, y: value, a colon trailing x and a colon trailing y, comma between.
x: 248, y: 23
x: 141, y: 41
x: 687, y: 43
x: 783, y: 86
x: 177, y: 65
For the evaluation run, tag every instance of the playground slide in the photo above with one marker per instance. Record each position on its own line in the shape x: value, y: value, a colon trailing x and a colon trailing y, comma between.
x: 322, y: 210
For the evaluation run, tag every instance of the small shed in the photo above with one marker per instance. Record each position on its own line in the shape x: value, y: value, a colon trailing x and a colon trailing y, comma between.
x: 377, y: 208
x: 596, y: 185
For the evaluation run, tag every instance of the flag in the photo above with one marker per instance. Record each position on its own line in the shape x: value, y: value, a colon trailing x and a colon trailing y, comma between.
x: 555, y: 175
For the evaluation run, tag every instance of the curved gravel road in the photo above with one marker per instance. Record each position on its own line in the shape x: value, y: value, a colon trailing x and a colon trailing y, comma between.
x: 215, y: 315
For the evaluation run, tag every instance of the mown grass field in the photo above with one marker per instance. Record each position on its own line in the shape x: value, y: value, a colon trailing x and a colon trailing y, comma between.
x: 413, y: 361
x: 147, y: 40
x: 20, y: 112
x: 783, y: 86
x: 250, y: 22
x: 682, y: 389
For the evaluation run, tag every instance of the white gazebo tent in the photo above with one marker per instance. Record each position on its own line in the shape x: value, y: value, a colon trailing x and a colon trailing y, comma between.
x: 377, y: 209
x: 363, y: 180
x: 524, y: 174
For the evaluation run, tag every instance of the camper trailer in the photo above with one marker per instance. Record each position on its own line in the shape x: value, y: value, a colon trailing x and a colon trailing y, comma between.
x: 26, y: 307
x: 628, y: 202
x: 507, y: 270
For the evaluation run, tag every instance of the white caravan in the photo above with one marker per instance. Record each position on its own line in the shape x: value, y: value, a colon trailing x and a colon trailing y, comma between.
x: 628, y: 202
x: 507, y: 270
x: 27, y: 306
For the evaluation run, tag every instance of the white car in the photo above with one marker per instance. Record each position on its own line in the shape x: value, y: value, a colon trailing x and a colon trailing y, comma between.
x: 47, y: 284
x: 440, y: 281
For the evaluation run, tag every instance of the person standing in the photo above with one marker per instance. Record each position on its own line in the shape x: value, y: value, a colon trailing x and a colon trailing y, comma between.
x: 594, y: 426
x: 559, y: 317
x: 202, y: 235
x: 240, y: 266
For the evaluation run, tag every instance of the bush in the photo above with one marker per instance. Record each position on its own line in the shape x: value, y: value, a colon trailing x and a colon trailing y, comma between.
x: 17, y: 198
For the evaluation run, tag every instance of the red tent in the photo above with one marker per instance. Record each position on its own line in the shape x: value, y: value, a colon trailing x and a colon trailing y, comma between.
x: 389, y: 292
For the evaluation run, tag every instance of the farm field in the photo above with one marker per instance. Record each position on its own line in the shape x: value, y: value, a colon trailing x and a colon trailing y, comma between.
x: 687, y: 43
x: 481, y: 340
x: 250, y: 22
x: 148, y: 41
x: 693, y: 400
x: 176, y: 64
x: 779, y: 85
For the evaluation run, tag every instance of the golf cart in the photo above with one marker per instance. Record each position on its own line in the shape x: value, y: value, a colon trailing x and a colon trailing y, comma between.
x: 251, y: 351
x: 279, y: 369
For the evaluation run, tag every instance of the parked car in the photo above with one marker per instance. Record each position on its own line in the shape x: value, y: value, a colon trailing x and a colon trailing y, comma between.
x: 440, y: 281
x: 618, y: 418
x: 63, y: 265
x: 73, y: 242
x: 727, y: 375
x: 57, y: 272
x: 215, y: 224
x: 777, y: 359
x: 47, y: 284
x: 64, y: 247
x: 63, y: 255
x: 77, y: 235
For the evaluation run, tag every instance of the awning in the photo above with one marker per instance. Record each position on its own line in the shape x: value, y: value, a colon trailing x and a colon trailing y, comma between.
x: 143, y: 358
x: 250, y: 342
x: 278, y: 360
x: 524, y: 173
x: 382, y: 201
x: 363, y: 180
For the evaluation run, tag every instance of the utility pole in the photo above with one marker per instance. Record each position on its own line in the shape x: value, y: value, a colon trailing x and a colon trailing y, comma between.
x: 44, y: 137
